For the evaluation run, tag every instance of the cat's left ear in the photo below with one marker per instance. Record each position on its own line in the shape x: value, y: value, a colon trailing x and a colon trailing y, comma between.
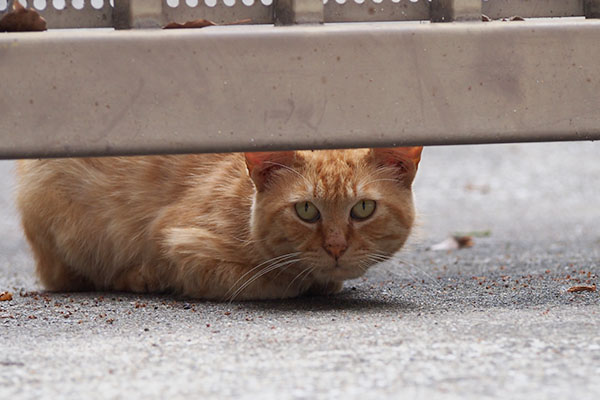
x: 262, y: 166
x: 404, y: 159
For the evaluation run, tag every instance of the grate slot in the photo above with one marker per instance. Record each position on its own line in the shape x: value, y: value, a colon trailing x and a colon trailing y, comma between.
x: 496, y: 9
x: 371, y: 10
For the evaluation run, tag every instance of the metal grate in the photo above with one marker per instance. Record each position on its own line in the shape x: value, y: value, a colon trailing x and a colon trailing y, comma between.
x: 99, y: 13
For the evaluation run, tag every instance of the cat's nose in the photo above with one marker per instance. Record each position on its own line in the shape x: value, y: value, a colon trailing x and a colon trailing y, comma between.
x: 336, y: 251
x: 336, y: 246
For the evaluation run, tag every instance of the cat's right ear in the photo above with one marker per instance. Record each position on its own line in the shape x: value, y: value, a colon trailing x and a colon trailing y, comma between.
x: 262, y: 165
x: 404, y: 160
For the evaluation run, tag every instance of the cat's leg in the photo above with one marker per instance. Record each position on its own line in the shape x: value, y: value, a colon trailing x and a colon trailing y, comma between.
x: 131, y: 280
x: 143, y: 278
x: 54, y: 274
x: 223, y: 281
x: 40, y: 206
x: 202, y: 266
x: 272, y: 286
x: 211, y: 279
x: 235, y: 282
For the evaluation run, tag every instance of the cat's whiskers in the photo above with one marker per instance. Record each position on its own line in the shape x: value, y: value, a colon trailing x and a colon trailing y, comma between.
x: 364, y: 265
x: 373, y: 258
x: 388, y: 256
x: 258, y: 275
x: 263, y: 272
x: 308, y: 270
x: 284, y: 269
x: 382, y: 257
x: 383, y: 254
x: 306, y: 276
x: 428, y: 276
x: 270, y: 261
x: 377, y: 257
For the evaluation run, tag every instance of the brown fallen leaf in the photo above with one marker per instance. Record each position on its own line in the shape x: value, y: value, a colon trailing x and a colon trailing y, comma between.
x: 582, y: 289
x: 197, y: 23
x: 464, y: 241
x: 22, y: 19
x: 201, y: 23
x: 454, y: 243
x: 5, y: 296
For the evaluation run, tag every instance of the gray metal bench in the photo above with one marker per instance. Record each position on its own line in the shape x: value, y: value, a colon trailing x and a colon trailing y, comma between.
x: 308, y: 85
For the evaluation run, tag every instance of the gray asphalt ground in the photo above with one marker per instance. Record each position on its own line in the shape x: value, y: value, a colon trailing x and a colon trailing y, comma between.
x: 491, y: 321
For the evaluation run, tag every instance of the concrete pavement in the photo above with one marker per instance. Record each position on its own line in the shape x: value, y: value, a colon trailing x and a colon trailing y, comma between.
x: 491, y: 321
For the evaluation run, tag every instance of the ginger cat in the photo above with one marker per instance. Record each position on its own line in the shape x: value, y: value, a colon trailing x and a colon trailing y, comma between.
x: 217, y: 226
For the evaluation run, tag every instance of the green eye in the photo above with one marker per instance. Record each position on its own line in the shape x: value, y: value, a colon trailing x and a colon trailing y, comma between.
x: 307, y: 211
x: 363, y: 209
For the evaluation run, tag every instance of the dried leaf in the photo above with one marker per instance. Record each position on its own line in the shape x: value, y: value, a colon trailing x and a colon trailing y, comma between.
x: 197, y: 23
x: 201, y: 23
x: 5, y: 296
x: 464, y: 241
x: 485, y: 18
x: 516, y: 18
x: 582, y: 289
x: 454, y: 243
x: 22, y: 19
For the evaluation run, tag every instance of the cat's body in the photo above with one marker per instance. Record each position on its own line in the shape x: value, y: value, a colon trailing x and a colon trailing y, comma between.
x: 216, y: 226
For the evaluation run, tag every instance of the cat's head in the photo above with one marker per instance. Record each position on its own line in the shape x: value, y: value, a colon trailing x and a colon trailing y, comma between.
x: 341, y: 211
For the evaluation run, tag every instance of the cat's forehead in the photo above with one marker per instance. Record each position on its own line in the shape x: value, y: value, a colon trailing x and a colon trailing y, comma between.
x: 334, y: 174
